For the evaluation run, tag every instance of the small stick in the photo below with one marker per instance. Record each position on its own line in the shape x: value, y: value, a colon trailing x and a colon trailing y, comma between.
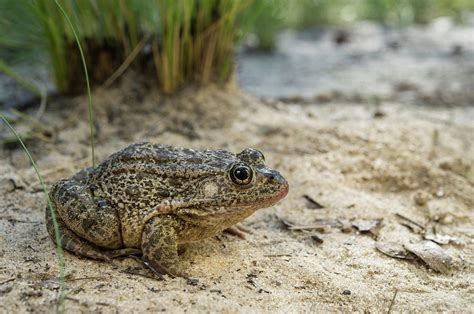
x: 139, y: 274
x: 7, y: 280
x: 409, y: 220
x: 308, y: 227
x: 98, y: 303
x: 85, y: 278
x: 314, y: 203
x: 393, y: 302
x: 277, y: 255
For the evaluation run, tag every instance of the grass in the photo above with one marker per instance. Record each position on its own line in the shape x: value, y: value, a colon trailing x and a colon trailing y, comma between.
x: 26, y: 84
x: 391, y: 12
x: 196, y: 41
x: 59, y: 250
x: 108, y: 30
x: 190, y: 40
x: 264, y: 19
x: 86, y: 75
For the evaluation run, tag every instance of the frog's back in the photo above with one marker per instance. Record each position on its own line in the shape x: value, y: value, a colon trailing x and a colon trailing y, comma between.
x: 143, y: 176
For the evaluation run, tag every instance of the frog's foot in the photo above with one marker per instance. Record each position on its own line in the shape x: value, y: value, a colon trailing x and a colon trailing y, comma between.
x: 160, y: 270
x: 71, y: 242
x: 238, y: 231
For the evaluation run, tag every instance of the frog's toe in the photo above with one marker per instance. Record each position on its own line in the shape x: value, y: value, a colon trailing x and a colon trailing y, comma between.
x: 159, y: 270
x: 123, y: 252
x: 238, y: 231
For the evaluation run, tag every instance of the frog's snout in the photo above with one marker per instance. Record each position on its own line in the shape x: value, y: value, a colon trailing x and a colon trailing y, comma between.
x: 275, y: 178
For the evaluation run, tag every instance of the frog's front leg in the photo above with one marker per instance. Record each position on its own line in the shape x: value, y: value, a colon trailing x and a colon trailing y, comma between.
x: 160, y: 245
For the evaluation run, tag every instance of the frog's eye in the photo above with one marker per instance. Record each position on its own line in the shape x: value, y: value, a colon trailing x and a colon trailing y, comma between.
x: 241, y: 174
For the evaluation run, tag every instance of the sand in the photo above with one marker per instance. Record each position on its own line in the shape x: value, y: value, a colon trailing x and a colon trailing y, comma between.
x: 359, y: 162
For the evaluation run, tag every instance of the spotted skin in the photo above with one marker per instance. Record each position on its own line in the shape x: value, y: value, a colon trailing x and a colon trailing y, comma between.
x: 150, y: 198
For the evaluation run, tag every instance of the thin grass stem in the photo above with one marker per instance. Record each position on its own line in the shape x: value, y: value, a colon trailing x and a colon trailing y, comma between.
x: 86, y: 74
x: 57, y: 234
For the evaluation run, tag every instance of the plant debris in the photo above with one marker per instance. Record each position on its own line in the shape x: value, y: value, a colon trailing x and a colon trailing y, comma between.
x: 395, y: 250
x: 421, y: 198
x: 441, y: 238
x: 311, y: 203
x: 428, y: 252
x: 192, y: 281
x: 320, y: 225
x: 368, y: 226
x: 316, y: 239
x: 346, y: 225
x: 432, y: 254
x: 411, y: 224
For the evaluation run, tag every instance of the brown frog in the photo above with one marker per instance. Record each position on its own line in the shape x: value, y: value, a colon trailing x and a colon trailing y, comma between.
x: 150, y: 198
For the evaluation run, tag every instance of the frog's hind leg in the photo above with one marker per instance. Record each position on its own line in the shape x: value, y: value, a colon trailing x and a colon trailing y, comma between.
x: 87, y: 215
x: 71, y: 241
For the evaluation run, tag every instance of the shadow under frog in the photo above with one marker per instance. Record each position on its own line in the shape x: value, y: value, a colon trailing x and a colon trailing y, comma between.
x: 150, y: 198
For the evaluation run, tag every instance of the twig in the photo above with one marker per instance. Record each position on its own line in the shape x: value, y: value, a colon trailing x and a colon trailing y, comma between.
x: 392, y: 302
x: 409, y: 220
x: 7, y: 280
x: 11, y: 219
x: 277, y: 255
x: 314, y: 204
x: 84, y: 278
x: 98, y: 303
x: 126, y: 271
x: 309, y: 227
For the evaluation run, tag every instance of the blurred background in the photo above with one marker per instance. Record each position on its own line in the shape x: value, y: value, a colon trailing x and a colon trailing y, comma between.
x: 290, y: 50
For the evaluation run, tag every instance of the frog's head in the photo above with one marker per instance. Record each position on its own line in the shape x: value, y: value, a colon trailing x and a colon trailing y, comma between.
x: 254, y: 184
x: 240, y: 184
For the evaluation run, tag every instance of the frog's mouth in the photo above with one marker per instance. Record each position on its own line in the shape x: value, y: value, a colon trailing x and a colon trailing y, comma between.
x: 208, y: 210
x: 258, y: 203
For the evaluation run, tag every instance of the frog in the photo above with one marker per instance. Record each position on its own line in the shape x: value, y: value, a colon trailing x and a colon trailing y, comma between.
x: 150, y: 199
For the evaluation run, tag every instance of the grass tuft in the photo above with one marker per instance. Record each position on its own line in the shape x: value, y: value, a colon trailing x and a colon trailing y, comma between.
x: 186, y: 40
x: 196, y: 41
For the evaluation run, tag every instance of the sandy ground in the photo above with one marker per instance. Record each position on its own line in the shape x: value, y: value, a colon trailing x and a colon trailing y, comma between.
x: 360, y: 162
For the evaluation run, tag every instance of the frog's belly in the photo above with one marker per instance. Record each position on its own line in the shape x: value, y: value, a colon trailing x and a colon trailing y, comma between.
x: 197, y: 233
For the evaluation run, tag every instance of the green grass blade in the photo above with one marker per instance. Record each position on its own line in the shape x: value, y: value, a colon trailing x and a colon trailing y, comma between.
x: 86, y: 74
x: 4, y: 68
x: 59, y: 250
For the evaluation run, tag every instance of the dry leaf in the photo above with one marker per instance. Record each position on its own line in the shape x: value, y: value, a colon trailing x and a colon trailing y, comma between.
x: 432, y: 254
x: 311, y: 203
x: 393, y: 249
x: 372, y: 226
x: 441, y: 238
